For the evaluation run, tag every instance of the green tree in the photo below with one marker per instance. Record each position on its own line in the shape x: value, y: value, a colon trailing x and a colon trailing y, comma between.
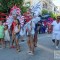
x: 3, y: 6
x: 44, y: 12
x: 52, y: 15
x: 6, y: 4
x: 23, y: 9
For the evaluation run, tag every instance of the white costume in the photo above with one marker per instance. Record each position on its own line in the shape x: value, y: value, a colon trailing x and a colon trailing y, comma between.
x: 36, y: 19
x: 16, y: 30
x: 6, y: 37
x: 56, y: 30
x: 31, y: 31
x: 9, y: 21
x: 22, y: 31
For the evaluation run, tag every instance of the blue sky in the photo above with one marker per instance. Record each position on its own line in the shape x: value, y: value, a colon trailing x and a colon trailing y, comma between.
x: 56, y: 2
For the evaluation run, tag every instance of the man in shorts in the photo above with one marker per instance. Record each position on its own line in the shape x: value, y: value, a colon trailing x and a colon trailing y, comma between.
x: 56, y: 31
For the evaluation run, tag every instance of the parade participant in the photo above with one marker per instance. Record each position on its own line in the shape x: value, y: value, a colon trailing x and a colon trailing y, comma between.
x: 12, y: 28
x: 35, y: 35
x: 31, y: 37
x: 56, y: 31
x: 6, y: 36
x: 17, y: 35
x: 27, y: 16
x: 49, y: 28
x: 2, y: 33
x: 36, y: 20
x: 22, y: 32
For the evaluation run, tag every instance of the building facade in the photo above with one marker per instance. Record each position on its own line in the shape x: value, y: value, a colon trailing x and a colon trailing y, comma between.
x: 45, y: 4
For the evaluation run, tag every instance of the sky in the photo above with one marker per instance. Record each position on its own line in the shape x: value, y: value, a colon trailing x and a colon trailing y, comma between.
x: 56, y: 2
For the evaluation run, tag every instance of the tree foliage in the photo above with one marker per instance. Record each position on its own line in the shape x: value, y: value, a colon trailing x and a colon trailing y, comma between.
x: 23, y: 9
x: 52, y: 15
x: 44, y: 12
x: 6, y: 4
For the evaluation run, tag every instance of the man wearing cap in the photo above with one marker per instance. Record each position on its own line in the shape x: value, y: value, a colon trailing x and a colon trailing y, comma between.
x: 56, y: 31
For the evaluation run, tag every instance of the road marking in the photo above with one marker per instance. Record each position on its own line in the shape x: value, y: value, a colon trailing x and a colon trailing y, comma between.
x: 45, y: 48
x: 44, y: 37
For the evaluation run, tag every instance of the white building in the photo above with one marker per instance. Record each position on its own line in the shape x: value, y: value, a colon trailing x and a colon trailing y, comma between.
x: 45, y: 4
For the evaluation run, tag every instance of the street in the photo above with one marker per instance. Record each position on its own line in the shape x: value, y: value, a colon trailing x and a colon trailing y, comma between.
x: 44, y: 51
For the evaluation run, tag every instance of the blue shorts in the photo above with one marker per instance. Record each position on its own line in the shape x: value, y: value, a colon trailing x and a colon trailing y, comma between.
x: 17, y: 36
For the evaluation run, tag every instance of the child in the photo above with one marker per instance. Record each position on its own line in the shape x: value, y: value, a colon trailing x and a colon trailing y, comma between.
x: 17, y: 35
x: 6, y: 36
x: 1, y: 33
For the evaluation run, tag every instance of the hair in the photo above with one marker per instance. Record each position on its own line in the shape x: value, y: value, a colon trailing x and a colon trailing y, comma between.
x: 18, y: 21
x: 6, y: 26
x: 58, y: 17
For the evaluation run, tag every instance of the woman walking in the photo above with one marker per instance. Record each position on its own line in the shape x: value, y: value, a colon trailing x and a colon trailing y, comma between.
x: 31, y: 37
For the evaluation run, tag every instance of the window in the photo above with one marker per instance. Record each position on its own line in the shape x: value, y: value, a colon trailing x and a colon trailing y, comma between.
x: 45, y: 5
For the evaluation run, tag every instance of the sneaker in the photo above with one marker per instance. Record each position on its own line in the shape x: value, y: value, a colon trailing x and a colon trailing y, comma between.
x: 19, y: 50
x: 31, y: 53
x: 35, y: 45
x: 56, y: 47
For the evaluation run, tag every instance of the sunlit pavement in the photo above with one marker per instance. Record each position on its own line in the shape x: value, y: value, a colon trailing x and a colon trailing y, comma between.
x: 44, y: 50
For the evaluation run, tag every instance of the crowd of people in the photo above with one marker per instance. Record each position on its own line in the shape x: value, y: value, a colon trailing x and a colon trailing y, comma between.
x: 14, y: 29
x: 17, y: 26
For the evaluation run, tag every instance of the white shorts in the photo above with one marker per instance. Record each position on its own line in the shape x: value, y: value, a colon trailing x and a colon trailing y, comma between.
x: 56, y: 36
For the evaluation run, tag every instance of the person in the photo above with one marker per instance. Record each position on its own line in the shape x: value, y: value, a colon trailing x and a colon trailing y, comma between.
x: 12, y: 30
x: 31, y: 37
x: 27, y: 16
x: 49, y: 28
x: 2, y: 34
x: 35, y: 35
x: 22, y: 33
x: 36, y: 19
x: 56, y: 31
x: 17, y: 35
x: 6, y: 36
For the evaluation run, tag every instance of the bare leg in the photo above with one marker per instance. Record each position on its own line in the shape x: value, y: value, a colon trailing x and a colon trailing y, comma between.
x: 9, y: 43
x: 13, y: 38
x: 29, y: 43
x: 17, y: 45
x: 35, y: 39
x: 57, y: 42
x: 32, y: 44
x: 2, y: 42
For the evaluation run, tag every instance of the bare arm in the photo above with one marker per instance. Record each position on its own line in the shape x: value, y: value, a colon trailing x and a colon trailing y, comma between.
x: 51, y: 28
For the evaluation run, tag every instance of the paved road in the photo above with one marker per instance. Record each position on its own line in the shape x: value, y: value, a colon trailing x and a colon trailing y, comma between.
x: 44, y: 51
